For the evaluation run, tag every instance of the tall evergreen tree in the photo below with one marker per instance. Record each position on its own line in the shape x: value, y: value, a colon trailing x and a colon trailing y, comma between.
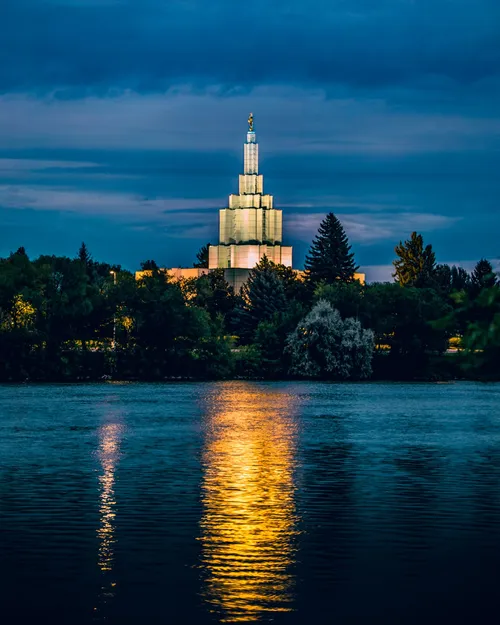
x: 416, y: 265
x: 202, y: 257
x: 330, y: 257
x: 460, y: 279
x: 84, y: 255
x: 483, y: 276
x: 263, y: 295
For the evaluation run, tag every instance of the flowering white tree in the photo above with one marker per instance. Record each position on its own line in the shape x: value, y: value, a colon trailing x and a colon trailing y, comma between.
x: 323, y: 345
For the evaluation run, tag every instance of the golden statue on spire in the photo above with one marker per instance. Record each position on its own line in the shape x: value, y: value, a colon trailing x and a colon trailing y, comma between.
x: 250, y: 122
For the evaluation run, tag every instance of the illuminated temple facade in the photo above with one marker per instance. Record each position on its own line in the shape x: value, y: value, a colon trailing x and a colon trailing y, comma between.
x: 249, y: 227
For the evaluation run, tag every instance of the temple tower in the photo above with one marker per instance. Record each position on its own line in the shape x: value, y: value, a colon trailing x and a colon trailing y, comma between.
x: 250, y: 227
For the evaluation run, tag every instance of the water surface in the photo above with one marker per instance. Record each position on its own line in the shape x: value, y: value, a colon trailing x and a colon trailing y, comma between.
x: 250, y: 502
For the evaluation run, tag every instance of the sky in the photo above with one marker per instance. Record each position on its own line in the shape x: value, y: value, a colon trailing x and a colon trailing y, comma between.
x: 122, y: 124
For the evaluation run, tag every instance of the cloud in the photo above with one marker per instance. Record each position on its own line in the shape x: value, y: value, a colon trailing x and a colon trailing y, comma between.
x: 368, y: 228
x: 100, y: 47
x: 183, y: 121
x: 378, y: 273
x: 8, y: 165
x: 121, y: 206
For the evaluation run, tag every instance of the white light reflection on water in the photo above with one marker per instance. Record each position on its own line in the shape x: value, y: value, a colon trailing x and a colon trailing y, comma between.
x: 110, y: 435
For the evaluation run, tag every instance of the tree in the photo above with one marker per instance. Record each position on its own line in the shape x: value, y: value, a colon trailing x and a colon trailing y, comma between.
x: 263, y: 295
x: 346, y: 297
x: 295, y: 287
x: 149, y: 265
x: 330, y: 257
x: 270, y: 337
x: 84, y: 256
x: 165, y: 330
x: 477, y: 320
x: 482, y: 277
x: 202, y: 257
x: 324, y: 346
x: 443, y: 278
x: 403, y: 320
x: 460, y: 279
x: 450, y: 279
x: 416, y: 265
x: 482, y: 336
x: 215, y: 294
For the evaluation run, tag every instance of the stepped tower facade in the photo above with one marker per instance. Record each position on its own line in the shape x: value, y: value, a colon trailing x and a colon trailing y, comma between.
x: 250, y: 227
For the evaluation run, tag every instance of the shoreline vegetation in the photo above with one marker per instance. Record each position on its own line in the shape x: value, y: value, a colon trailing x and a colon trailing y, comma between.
x: 79, y: 320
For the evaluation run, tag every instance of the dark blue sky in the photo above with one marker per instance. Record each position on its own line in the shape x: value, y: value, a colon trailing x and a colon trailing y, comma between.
x: 122, y: 123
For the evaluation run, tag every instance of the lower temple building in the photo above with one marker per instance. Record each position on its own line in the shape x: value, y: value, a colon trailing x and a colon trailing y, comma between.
x: 249, y: 227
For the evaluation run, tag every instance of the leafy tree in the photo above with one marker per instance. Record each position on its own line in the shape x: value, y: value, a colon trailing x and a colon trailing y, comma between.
x: 211, y: 355
x: 482, y: 335
x: 416, y: 265
x: 165, y: 330
x: 202, y: 257
x: 330, y: 257
x: 69, y: 300
x: 403, y: 320
x: 248, y: 361
x: 346, y: 297
x: 295, y: 288
x: 270, y: 338
x: 215, y: 294
x: 149, y: 265
x: 323, y: 345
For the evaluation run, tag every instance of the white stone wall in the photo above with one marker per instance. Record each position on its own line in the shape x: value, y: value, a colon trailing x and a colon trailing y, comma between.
x: 247, y: 256
x: 250, y: 224
x: 213, y: 256
x: 266, y: 201
x: 251, y: 158
x: 253, y: 183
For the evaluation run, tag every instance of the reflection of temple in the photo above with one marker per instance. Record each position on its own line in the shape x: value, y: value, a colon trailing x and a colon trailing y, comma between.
x: 248, y: 526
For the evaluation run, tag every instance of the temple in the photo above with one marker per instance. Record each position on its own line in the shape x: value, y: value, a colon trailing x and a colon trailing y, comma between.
x: 249, y: 227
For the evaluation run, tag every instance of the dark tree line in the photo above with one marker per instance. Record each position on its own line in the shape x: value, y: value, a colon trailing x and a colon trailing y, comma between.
x: 76, y: 318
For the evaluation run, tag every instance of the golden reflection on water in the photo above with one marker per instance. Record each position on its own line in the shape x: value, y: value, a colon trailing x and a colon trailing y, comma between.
x: 248, y: 527
x: 110, y: 435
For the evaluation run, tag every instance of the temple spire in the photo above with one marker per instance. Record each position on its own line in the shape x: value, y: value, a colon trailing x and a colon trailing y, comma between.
x: 251, y: 159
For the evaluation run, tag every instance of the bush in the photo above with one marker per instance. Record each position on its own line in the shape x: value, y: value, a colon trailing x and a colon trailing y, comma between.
x: 324, y: 346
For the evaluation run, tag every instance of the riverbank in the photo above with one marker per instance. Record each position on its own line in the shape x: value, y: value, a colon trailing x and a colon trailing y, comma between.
x: 105, y: 366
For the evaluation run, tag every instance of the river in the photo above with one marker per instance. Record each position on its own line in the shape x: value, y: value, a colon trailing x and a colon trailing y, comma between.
x: 249, y: 502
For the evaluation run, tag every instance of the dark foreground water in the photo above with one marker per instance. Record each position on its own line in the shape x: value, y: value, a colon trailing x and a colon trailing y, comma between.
x: 248, y: 502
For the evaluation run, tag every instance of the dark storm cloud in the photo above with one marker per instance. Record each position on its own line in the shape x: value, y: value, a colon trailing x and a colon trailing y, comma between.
x: 76, y: 47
